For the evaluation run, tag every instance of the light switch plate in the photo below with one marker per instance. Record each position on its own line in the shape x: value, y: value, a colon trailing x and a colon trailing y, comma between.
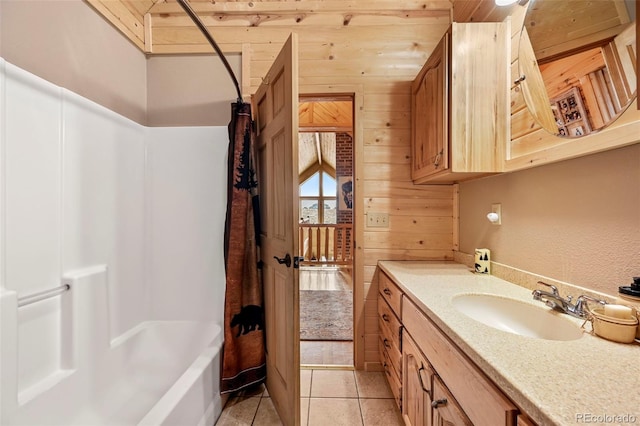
x: 377, y: 220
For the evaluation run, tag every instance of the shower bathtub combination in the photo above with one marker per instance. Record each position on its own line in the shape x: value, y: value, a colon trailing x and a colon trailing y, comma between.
x: 157, y: 373
x: 111, y: 263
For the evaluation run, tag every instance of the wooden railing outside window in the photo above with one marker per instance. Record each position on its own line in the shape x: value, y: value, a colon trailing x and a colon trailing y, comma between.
x: 326, y: 244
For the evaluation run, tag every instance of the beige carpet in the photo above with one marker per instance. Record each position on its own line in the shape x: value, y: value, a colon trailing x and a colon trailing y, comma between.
x: 326, y: 315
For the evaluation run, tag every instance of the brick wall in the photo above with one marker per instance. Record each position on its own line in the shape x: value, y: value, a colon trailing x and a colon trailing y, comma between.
x: 344, y: 167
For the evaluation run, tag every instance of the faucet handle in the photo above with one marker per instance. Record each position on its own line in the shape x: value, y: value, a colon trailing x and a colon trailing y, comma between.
x: 553, y: 288
x: 581, y: 303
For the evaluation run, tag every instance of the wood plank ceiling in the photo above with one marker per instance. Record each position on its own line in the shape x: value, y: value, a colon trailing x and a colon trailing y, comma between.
x: 318, y: 122
x: 162, y: 27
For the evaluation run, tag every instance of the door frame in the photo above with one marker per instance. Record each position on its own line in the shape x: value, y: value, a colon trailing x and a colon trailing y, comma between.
x: 306, y: 88
x: 309, y: 92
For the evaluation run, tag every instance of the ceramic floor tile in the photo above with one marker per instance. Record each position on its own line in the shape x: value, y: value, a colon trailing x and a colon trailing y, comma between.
x: 334, y: 401
x: 380, y: 412
x: 257, y: 390
x: 239, y: 412
x: 267, y: 414
x: 334, y: 412
x: 333, y: 384
x: 304, y: 411
x: 372, y: 384
x: 305, y: 383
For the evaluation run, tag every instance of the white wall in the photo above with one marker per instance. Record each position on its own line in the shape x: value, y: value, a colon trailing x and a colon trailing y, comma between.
x: 81, y: 186
x: 187, y: 207
x: 67, y: 43
x: 190, y: 90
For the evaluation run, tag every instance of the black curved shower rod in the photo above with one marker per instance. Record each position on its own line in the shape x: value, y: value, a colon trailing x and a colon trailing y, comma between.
x: 194, y: 17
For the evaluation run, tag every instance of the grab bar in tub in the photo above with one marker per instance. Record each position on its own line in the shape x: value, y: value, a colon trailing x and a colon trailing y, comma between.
x: 42, y: 295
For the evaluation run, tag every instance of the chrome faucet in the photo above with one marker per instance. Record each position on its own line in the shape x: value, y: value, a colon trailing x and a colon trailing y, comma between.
x: 555, y: 301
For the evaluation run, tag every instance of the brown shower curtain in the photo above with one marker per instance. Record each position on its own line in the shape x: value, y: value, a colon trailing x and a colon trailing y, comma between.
x: 244, y: 361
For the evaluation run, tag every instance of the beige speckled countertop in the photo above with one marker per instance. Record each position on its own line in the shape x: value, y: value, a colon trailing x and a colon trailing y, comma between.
x: 554, y: 382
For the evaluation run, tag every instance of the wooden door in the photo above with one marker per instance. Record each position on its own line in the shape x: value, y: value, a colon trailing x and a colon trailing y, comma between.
x: 276, y: 111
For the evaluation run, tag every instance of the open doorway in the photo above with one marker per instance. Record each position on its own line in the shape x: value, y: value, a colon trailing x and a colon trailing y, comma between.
x: 325, y: 160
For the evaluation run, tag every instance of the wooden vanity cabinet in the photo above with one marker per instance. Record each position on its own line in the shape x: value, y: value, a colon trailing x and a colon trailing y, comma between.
x: 433, y: 381
x: 390, y: 340
x: 460, y: 105
x: 475, y: 395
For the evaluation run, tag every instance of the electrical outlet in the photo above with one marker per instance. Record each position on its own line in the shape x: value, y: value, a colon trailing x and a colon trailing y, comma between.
x: 378, y: 220
x: 497, y: 209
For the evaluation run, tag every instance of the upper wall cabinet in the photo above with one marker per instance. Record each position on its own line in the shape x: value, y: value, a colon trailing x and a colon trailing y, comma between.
x: 459, y: 105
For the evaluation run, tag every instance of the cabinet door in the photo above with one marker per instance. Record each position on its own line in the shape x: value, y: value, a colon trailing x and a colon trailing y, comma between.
x: 533, y: 88
x: 416, y: 392
x: 446, y: 411
x: 429, y: 115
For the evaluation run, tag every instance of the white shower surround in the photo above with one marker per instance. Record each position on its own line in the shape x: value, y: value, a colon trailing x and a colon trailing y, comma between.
x: 134, y: 218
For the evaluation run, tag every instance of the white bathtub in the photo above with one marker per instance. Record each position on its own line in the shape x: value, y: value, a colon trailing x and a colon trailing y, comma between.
x: 159, y: 373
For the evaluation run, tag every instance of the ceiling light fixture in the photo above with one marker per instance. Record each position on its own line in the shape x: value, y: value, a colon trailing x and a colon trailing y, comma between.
x: 505, y: 2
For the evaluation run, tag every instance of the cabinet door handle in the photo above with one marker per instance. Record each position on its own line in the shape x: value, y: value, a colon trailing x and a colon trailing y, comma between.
x: 386, y: 369
x: 387, y: 291
x: 439, y: 402
x: 421, y: 382
x: 386, y: 343
x: 436, y: 161
x: 385, y: 317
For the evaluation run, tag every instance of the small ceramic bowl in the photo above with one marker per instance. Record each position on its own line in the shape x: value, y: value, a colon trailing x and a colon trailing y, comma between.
x: 621, y: 330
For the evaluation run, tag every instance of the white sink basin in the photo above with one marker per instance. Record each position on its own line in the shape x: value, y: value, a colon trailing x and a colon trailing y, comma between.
x: 517, y: 317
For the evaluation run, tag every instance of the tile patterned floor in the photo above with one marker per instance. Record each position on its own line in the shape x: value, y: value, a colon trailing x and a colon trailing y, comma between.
x: 328, y: 398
